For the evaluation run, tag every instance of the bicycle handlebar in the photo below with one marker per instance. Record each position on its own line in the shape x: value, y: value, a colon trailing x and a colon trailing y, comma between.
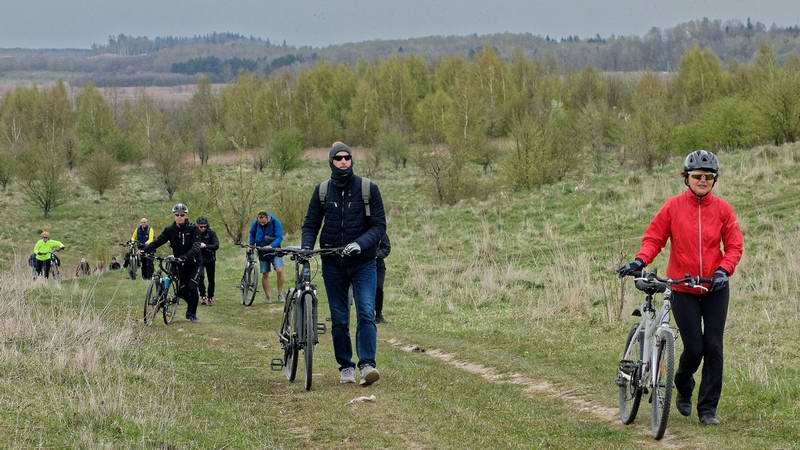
x: 653, y: 279
x: 302, y: 253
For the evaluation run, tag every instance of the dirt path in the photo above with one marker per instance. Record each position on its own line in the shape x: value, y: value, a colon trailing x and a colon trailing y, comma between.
x: 535, y: 388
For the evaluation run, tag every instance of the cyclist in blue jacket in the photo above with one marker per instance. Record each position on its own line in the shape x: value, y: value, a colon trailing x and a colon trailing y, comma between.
x: 267, y: 231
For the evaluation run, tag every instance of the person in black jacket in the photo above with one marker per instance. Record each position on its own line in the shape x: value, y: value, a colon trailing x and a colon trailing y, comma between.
x: 183, y: 239
x: 209, y: 244
x: 384, y: 248
x: 357, y: 225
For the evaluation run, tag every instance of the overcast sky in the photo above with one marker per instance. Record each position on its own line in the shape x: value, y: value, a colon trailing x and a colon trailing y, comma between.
x: 79, y: 23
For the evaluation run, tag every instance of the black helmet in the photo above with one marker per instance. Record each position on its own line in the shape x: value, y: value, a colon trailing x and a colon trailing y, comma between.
x: 180, y: 208
x: 202, y: 220
x: 700, y: 160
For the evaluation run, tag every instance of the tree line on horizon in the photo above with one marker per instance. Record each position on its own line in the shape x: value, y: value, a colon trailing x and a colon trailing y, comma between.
x: 458, y: 120
x: 174, y: 60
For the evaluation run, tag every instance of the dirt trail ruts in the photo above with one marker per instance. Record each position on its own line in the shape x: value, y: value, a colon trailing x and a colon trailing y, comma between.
x: 534, y: 387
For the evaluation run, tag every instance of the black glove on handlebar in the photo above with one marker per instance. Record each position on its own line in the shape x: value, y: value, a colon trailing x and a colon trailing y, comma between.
x: 634, y: 266
x: 719, y: 280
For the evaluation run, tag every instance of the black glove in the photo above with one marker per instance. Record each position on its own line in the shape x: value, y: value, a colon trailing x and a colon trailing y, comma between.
x: 720, y: 280
x: 634, y: 266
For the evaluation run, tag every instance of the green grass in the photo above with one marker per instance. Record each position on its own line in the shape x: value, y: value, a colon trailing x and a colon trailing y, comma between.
x: 519, y: 282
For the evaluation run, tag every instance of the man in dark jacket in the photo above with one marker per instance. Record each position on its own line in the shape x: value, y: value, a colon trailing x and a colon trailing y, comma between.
x: 182, y: 238
x: 357, y: 225
x: 209, y: 244
x: 384, y: 248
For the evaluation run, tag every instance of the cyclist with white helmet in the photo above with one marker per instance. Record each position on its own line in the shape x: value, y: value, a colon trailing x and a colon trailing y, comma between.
x: 705, y: 240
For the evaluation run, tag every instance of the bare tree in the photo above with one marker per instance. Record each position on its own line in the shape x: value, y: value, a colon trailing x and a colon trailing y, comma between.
x: 44, y: 182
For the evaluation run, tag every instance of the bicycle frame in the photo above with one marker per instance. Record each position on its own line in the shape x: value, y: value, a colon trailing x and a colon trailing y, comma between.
x: 652, y: 322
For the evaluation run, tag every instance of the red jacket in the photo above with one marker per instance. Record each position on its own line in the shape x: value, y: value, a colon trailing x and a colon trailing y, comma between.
x: 695, y: 227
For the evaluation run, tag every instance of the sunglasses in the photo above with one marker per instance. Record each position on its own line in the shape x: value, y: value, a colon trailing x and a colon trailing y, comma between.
x: 180, y: 215
x: 342, y: 157
x: 703, y: 176
x: 202, y: 226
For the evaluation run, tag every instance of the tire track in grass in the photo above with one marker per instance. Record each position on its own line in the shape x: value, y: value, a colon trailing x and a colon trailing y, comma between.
x: 533, y: 388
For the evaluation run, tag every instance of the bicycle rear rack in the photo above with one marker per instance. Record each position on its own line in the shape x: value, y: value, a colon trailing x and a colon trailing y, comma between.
x: 276, y: 364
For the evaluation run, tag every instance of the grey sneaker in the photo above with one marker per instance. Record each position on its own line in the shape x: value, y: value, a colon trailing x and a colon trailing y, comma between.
x: 281, y: 298
x: 267, y: 299
x: 347, y: 375
x: 369, y: 375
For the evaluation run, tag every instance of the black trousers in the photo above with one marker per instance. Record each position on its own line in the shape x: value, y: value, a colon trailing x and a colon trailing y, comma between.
x: 208, y: 268
x: 379, y: 291
x: 147, y: 268
x: 701, y: 321
x: 188, y: 274
x: 43, y: 266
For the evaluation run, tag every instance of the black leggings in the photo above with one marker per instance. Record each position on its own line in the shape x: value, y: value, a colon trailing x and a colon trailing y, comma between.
x: 701, y: 321
x: 188, y: 273
x: 43, y: 265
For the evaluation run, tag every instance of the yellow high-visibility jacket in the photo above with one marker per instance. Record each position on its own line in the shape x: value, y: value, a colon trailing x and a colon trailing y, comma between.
x: 43, y: 249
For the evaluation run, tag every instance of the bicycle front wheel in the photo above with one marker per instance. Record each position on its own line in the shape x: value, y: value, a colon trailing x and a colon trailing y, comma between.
x: 133, y: 267
x: 151, y: 300
x: 249, y: 285
x: 310, y: 336
x: 629, y: 375
x: 292, y: 349
x: 662, y: 390
x: 170, y: 303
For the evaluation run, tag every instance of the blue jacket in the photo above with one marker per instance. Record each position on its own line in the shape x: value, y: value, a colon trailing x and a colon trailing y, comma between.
x: 346, y: 221
x: 270, y: 234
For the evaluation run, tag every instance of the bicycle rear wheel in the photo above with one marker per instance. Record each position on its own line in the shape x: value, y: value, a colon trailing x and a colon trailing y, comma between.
x: 170, y: 300
x: 151, y: 301
x: 291, y: 350
x: 309, y: 338
x: 662, y: 391
x: 628, y: 376
x: 249, y: 285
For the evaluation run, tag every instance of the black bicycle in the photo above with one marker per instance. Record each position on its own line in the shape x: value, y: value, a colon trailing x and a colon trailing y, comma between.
x: 299, y: 328
x: 648, y: 359
x: 249, y: 284
x: 132, y: 257
x: 55, y: 265
x: 162, y: 294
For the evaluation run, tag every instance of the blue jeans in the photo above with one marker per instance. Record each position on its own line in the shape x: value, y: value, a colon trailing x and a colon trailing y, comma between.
x: 337, y: 282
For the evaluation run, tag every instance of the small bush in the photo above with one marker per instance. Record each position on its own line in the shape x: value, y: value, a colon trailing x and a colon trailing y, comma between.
x: 100, y: 172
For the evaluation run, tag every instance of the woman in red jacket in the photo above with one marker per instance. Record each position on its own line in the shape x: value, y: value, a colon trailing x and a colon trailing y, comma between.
x: 696, y: 222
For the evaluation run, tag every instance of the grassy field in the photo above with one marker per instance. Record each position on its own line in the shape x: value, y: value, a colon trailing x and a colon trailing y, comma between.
x: 511, y: 295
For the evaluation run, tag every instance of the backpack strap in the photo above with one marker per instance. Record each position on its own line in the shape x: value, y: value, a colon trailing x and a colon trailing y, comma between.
x: 365, y: 194
x: 323, y: 192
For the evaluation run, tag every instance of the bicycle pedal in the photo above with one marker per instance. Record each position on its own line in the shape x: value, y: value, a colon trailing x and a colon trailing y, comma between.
x: 321, y: 328
x: 276, y: 364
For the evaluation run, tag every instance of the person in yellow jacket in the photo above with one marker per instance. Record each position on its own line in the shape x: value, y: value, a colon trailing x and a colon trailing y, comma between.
x: 43, y: 250
x: 143, y: 234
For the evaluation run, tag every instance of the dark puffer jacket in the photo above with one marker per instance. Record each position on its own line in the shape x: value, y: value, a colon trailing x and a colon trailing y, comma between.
x: 346, y: 221
x: 209, y: 237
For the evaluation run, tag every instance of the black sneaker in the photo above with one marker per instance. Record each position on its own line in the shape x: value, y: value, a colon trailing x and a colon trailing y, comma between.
x: 379, y: 319
x: 683, y: 405
x: 193, y: 319
x: 709, y: 420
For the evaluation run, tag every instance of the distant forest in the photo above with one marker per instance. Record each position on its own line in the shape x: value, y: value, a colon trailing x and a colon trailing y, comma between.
x: 130, y: 60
